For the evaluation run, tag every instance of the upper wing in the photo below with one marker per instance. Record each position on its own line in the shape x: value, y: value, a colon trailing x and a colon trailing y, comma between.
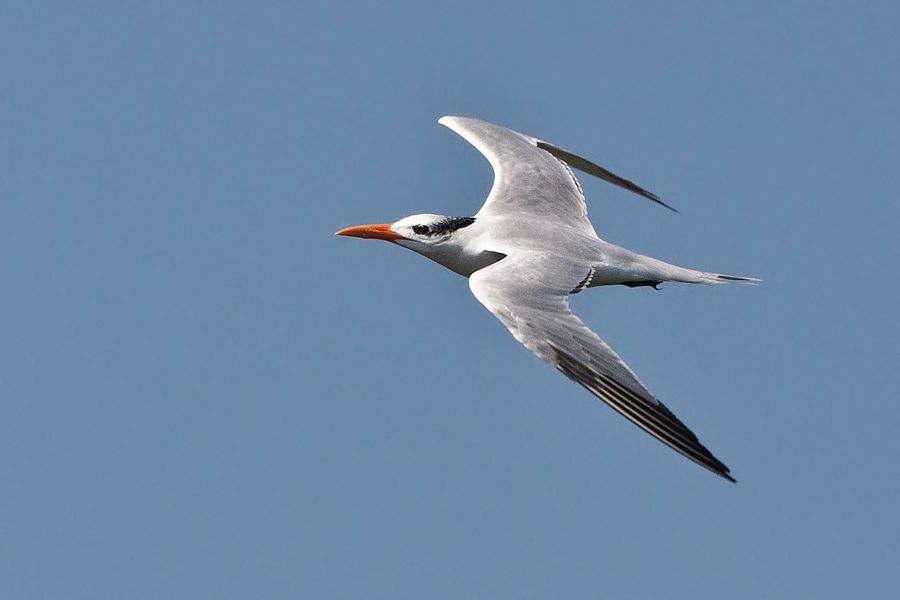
x: 532, y: 176
x: 526, y: 179
x: 530, y: 298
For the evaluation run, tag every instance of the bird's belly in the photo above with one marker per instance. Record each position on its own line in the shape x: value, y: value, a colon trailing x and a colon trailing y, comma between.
x: 605, y: 274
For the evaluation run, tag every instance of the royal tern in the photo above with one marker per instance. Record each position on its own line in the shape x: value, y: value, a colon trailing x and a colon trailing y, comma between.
x: 531, y: 246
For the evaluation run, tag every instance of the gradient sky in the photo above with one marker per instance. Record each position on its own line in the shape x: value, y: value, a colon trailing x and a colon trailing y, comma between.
x: 205, y: 394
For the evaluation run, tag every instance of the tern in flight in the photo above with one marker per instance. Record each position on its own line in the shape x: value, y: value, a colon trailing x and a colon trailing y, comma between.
x: 529, y: 248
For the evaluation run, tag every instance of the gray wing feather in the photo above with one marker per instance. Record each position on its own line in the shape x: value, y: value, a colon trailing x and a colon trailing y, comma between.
x: 530, y: 299
x: 527, y: 180
x: 532, y: 176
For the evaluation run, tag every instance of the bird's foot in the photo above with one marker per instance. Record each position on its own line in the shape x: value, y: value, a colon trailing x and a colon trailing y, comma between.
x: 634, y: 284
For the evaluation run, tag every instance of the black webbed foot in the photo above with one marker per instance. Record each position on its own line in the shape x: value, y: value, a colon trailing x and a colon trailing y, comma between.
x: 653, y: 284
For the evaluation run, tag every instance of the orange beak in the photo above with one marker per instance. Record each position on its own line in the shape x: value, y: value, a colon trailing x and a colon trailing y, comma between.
x: 378, y: 232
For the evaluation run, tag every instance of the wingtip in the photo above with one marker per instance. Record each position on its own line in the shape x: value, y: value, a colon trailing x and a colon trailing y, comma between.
x: 717, y: 467
x: 720, y: 469
x: 656, y: 199
x: 652, y: 197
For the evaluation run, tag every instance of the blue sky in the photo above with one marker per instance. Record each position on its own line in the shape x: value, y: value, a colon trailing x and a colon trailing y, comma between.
x: 207, y: 394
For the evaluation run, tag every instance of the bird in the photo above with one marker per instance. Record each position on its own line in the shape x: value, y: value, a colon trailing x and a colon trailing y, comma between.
x: 530, y: 247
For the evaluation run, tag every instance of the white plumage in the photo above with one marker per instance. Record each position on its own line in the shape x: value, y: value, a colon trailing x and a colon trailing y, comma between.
x: 529, y: 247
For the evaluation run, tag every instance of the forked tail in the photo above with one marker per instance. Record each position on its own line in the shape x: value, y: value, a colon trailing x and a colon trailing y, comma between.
x: 637, y: 270
x: 691, y: 276
x: 654, y: 269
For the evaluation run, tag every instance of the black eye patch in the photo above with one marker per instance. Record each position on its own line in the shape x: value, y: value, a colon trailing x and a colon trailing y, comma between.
x: 448, y: 225
x: 458, y: 223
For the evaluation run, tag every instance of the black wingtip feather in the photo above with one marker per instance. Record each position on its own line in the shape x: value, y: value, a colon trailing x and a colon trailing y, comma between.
x: 583, y: 164
x: 655, y: 419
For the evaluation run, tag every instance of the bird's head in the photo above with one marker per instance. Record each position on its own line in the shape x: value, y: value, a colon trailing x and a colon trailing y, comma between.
x: 421, y: 233
x: 445, y: 240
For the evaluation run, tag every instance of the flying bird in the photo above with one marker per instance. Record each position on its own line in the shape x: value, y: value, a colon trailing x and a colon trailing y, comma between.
x: 529, y: 248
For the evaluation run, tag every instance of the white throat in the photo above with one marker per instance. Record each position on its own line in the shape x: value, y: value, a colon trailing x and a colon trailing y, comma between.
x: 460, y: 253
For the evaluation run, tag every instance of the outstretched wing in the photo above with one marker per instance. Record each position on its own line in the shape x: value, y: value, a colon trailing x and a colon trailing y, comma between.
x: 533, y: 177
x: 530, y: 297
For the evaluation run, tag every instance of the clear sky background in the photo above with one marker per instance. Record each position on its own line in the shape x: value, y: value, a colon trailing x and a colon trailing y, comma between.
x: 205, y: 394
